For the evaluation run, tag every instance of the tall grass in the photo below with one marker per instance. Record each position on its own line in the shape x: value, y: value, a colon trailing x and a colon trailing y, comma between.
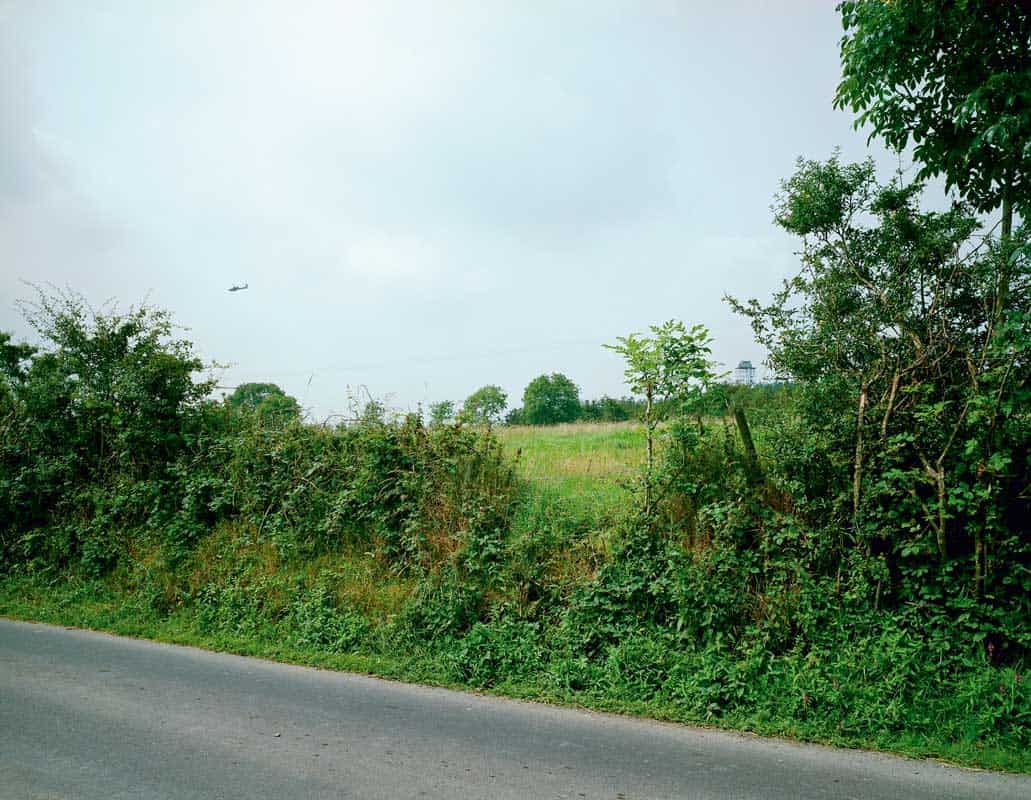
x: 590, y: 465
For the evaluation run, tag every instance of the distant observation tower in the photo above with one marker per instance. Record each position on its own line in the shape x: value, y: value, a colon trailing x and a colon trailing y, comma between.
x: 745, y: 374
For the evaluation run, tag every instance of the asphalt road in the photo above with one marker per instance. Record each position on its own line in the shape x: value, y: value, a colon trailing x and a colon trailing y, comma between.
x: 87, y: 715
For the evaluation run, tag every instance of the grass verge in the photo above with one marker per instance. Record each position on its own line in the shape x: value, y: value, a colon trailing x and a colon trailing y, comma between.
x: 101, y: 605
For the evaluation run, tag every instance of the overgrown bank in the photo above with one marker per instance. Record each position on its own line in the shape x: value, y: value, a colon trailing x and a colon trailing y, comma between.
x: 104, y: 605
x: 133, y: 504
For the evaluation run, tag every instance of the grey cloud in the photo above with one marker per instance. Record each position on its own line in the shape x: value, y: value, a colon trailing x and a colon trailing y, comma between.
x: 423, y: 197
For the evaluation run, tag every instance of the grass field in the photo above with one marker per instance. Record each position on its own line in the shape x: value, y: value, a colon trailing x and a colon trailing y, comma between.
x: 591, y: 465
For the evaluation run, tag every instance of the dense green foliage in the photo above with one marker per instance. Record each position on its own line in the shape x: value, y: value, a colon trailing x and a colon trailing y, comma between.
x: 109, y: 445
x: 724, y: 605
x: 265, y: 399
x: 484, y: 406
x: 915, y: 371
x: 442, y: 412
x: 550, y: 400
x: 92, y: 428
x: 13, y: 358
x: 608, y: 409
x: 845, y: 556
x: 952, y: 77
x: 604, y: 409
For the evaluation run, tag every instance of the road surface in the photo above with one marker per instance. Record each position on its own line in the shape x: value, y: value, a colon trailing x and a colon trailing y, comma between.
x: 87, y: 715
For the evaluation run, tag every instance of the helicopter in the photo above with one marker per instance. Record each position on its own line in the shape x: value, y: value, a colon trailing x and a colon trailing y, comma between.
x: 236, y: 288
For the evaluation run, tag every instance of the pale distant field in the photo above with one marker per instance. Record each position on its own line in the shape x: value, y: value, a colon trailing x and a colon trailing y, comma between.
x: 590, y: 462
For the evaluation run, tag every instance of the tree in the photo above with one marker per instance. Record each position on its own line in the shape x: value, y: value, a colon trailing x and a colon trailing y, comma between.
x: 374, y: 413
x: 266, y: 399
x: 251, y: 395
x: 279, y: 408
x: 116, y: 384
x: 442, y: 412
x: 910, y: 381
x: 551, y: 399
x: 672, y: 364
x: 515, y: 417
x: 606, y: 409
x: 484, y: 406
x: 955, y: 79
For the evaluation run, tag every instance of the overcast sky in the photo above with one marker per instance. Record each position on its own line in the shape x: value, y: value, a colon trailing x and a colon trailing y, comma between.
x: 424, y: 197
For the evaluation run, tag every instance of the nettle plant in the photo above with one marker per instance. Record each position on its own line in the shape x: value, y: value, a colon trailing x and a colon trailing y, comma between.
x: 669, y: 369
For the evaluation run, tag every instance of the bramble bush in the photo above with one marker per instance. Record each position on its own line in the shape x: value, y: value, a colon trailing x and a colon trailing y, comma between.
x: 107, y: 437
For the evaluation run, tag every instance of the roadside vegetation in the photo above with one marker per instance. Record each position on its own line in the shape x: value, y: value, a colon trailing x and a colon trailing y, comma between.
x: 845, y: 557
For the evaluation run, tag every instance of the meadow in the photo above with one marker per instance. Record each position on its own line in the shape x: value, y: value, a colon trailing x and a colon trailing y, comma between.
x: 591, y: 465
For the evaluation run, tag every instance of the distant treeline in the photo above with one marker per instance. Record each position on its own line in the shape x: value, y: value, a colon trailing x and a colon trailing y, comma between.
x: 714, y: 402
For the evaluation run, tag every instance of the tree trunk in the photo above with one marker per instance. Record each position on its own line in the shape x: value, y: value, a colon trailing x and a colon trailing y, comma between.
x: 857, y: 467
x: 978, y: 561
x: 649, y: 427
x: 1004, y: 271
x: 937, y: 476
x: 754, y: 471
x: 891, y: 405
x: 943, y: 548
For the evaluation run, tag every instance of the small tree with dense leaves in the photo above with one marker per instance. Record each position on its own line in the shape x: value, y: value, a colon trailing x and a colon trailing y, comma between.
x: 442, y: 412
x: 673, y: 364
x: 484, y: 406
x: 265, y: 399
x: 551, y: 399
